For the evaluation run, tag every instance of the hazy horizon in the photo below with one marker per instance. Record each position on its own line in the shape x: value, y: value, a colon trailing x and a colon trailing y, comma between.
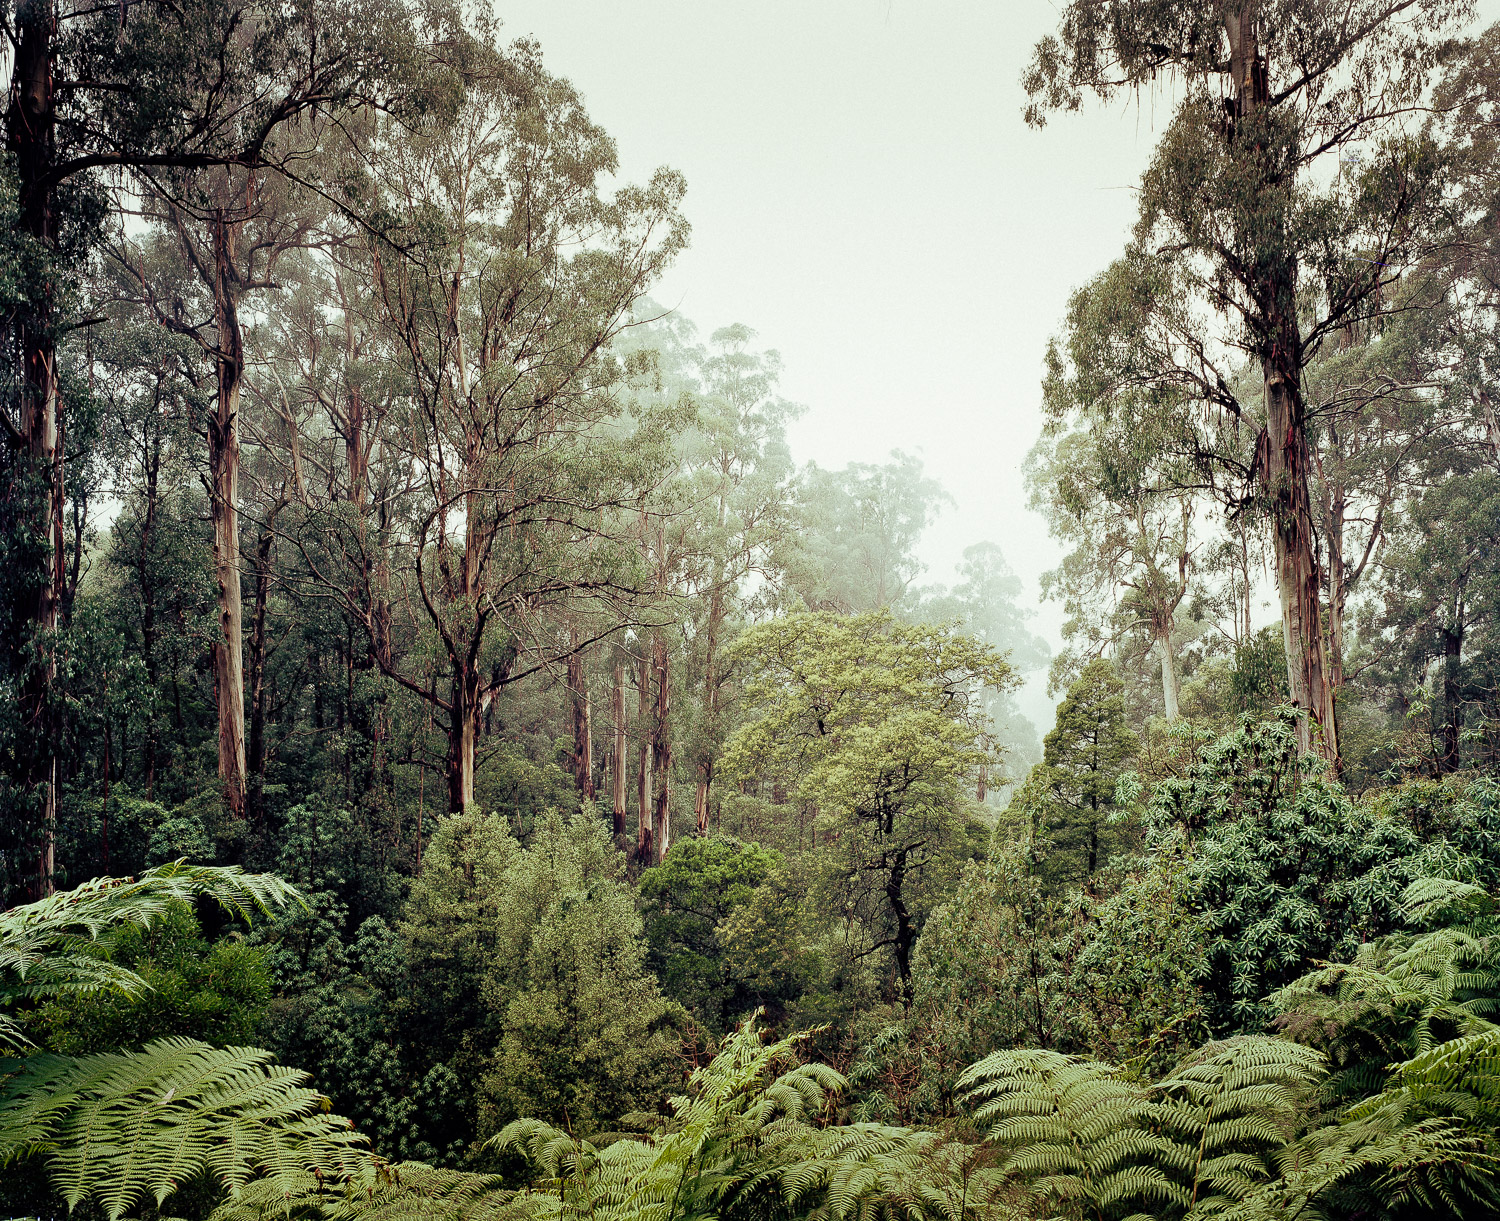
x: 865, y: 195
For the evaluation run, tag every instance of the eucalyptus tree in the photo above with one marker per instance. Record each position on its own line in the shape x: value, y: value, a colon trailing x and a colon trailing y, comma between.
x: 151, y: 401
x: 501, y: 274
x: 740, y: 473
x: 986, y: 604
x: 326, y: 391
x: 226, y: 231
x: 854, y: 549
x: 1132, y: 552
x: 1249, y: 250
x: 97, y: 93
x: 1440, y: 590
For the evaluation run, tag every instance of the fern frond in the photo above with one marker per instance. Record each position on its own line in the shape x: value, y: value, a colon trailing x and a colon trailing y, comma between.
x: 120, y: 1128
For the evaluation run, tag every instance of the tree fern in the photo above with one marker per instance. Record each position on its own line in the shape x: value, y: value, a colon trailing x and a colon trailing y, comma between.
x: 1074, y: 1131
x: 120, y: 1128
x: 1228, y: 1111
x: 1085, y: 1142
x: 1425, y: 1146
x: 380, y: 1191
x: 741, y: 1143
x: 1399, y: 998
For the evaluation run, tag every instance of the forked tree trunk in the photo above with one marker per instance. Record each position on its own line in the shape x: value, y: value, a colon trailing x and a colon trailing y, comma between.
x: 224, y: 508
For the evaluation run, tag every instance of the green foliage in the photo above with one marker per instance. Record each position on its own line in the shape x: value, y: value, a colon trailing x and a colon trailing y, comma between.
x: 1006, y: 964
x: 1288, y: 868
x: 879, y: 727
x: 378, y: 1191
x: 1070, y: 796
x: 772, y: 947
x: 120, y: 1128
x: 525, y: 976
x: 741, y: 1144
x: 1257, y: 684
x: 1414, y: 1086
x: 686, y: 902
x: 50, y: 949
x: 216, y: 992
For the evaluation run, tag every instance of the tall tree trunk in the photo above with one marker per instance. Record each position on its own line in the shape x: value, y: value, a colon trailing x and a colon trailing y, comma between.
x: 257, y: 670
x: 144, y: 557
x: 618, y: 763
x: 644, y: 787
x: 700, y: 802
x: 30, y: 123
x: 661, y: 752
x: 224, y: 507
x: 1283, y: 458
x: 463, y: 733
x: 1453, y: 724
x: 583, y: 728
x: 1338, y: 592
x: 1284, y: 463
x: 716, y: 614
x: 1171, y: 685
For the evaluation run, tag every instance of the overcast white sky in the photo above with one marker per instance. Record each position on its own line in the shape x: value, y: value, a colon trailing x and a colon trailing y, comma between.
x: 865, y: 195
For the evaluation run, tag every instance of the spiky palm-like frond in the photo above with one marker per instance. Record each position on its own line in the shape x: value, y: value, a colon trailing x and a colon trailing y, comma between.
x: 1403, y: 995
x: 50, y: 948
x: 1085, y: 1142
x: 120, y: 1128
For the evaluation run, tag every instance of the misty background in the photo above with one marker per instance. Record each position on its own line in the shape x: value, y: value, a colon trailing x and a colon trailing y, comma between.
x: 865, y: 194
